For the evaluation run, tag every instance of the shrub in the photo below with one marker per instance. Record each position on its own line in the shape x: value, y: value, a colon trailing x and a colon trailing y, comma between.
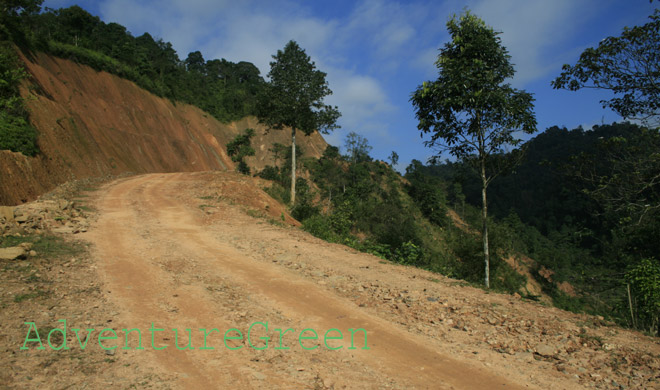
x: 408, y: 253
x: 240, y: 147
x: 279, y: 193
x: 17, y: 135
x: 320, y: 226
x: 644, y: 282
x: 270, y: 173
x: 243, y: 168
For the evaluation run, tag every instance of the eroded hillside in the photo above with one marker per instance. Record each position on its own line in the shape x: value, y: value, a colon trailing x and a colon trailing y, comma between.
x: 94, y: 124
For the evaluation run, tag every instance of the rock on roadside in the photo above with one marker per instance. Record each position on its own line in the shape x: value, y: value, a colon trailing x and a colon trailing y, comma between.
x: 12, y: 253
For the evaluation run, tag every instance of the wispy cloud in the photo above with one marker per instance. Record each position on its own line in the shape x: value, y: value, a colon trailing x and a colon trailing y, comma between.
x: 532, y: 31
x: 375, y: 52
x: 253, y: 31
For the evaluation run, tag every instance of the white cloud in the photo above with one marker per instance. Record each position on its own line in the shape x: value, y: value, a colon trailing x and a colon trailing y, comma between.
x: 364, y: 104
x: 255, y: 31
x: 375, y: 53
x: 385, y: 31
x: 532, y: 30
x: 255, y: 37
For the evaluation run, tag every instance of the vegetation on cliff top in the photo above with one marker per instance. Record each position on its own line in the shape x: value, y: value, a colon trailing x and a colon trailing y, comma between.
x: 225, y: 89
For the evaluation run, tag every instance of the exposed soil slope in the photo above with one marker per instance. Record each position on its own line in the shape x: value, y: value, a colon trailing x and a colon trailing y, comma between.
x: 93, y: 124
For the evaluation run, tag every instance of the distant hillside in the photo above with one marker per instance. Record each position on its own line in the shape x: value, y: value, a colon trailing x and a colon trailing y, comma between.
x: 93, y: 124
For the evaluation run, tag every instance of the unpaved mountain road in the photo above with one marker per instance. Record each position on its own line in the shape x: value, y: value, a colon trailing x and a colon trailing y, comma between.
x: 165, y: 265
x: 176, y: 251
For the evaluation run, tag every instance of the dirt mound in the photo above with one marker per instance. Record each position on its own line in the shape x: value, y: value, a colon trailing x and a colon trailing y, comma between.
x: 93, y: 124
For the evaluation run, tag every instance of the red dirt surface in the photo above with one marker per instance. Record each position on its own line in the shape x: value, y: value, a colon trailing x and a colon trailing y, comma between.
x: 94, y: 124
x: 164, y: 258
x: 203, y: 250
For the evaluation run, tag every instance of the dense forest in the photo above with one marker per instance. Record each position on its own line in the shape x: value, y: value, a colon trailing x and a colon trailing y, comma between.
x: 225, y: 89
x: 584, y: 204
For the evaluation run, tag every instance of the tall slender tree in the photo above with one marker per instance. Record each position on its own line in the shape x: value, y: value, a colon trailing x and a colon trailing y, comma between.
x: 294, y: 98
x: 470, y: 111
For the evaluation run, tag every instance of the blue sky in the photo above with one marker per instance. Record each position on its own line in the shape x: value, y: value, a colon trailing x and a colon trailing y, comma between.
x: 376, y: 52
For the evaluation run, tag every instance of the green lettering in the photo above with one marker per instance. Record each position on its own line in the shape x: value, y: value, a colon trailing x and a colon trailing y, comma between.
x: 326, y: 338
x: 63, y: 332
x: 27, y: 336
x: 152, y: 330
x: 127, y: 332
x: 101, y: 338
x: 365, y: 338
x: 176, y: 339
x: 240, y: 337
x: 281, y: 335
x: 206, y: 334
x: 89, y: 332
x: 266, y: 338
x: 301, y: 338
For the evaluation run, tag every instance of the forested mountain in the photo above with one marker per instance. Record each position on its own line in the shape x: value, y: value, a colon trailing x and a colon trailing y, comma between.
x: 583, y: 203
x: 551, y: 188
x: 225, y: 89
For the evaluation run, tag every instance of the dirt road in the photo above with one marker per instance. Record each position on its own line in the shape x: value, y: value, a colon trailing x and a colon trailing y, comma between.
x: 166, y: 264
x: 196, y: 252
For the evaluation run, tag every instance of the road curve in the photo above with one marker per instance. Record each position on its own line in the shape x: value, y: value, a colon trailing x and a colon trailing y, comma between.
x: 165, y: 263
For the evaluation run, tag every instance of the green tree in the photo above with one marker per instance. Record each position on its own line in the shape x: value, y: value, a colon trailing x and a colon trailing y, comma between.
x: 20, y: 7
x: 469, y: 110
x: 357, y: 148
x: 15, y: 18
x: 628, y: 65
x: 428, y: 192
x: 195, y: 62
x: 394, y: 158
x: 294, y: 98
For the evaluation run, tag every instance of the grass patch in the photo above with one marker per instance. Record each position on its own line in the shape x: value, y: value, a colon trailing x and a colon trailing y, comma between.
x: 254, y: 213
x: 33, y: 278
x: 89, y: 209
x: 275, y: 222
x: 9, y: 241
x: 24, y: 297
x: 46, y: 245
x: 54, y: 246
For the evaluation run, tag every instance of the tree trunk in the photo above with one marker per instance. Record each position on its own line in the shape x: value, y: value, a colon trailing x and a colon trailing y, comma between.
x: 293, y: 166
x: 632, y: 315
x: 484, y: 206
x: 484, y: 218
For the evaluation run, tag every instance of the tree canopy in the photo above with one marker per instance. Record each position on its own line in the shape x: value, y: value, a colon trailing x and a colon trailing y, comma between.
x: 294, y: 98
x: 628, y: 65
x: 357, y: 147
x: 470, y: 102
